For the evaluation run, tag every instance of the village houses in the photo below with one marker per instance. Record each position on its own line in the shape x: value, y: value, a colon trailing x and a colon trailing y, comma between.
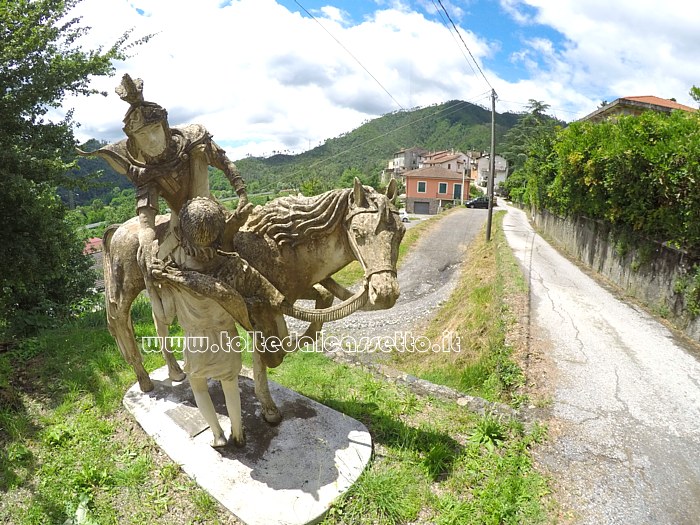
x: 435, y: 180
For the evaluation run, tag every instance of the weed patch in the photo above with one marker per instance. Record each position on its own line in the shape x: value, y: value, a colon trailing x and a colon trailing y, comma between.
x: 478, y: 312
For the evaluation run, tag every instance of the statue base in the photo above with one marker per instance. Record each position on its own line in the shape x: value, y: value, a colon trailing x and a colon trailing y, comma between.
x: 286, y: 474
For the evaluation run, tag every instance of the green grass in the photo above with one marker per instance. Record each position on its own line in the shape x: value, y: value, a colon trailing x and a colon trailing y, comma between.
x: 478, y: 312
x: 71, y: 454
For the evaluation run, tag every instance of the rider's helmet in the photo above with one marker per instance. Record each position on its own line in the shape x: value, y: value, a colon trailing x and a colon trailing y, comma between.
x: 145, y: 123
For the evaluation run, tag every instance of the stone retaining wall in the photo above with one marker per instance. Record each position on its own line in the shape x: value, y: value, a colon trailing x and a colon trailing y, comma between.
x: 644, y: 269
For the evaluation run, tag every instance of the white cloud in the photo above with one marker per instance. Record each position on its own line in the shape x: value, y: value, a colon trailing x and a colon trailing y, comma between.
x: 262, y: 78
x: 336, y: 15
x: 255, y: 73
x: 613, y: 49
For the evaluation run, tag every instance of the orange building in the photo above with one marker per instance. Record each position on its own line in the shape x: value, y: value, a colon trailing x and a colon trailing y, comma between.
x: 428, y: 190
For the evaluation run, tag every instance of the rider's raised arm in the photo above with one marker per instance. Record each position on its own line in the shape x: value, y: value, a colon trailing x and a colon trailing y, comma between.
x: 217, y: 158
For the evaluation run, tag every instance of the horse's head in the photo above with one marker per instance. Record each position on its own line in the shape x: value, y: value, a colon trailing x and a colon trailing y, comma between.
x: 374, y: 233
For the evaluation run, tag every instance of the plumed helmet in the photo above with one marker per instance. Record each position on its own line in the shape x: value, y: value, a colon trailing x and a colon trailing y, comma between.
x: 140, y: 113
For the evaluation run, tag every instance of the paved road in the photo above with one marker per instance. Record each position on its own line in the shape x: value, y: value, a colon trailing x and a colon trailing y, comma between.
x: 426, y: 278
x: 625, y: 446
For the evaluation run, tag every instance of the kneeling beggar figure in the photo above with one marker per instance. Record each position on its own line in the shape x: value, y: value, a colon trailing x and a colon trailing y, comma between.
x: 207, y: 272
x: 212, y: 268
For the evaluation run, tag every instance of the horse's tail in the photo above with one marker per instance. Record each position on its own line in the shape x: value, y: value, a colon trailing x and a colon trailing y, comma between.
x: 110, y: 292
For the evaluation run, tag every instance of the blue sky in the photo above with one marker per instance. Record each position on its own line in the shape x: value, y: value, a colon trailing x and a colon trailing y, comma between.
x: 487, y: 19
x: 263, y: 76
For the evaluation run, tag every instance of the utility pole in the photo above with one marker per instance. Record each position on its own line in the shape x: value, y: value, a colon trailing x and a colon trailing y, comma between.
x: 492, y: 165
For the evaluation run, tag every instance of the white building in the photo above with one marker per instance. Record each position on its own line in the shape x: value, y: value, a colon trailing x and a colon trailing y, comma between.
x: 483, y: 169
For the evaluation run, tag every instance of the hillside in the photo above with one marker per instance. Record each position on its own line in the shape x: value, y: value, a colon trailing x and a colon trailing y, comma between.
x: 96, y: 180
x: 455, y: 124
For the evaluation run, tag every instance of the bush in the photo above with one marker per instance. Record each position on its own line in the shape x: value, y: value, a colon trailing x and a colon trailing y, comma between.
x: 638, y: 173
x: 44, y: 269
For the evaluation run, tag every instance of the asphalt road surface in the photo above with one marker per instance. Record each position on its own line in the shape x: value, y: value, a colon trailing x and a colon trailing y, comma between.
x: 625, y: 411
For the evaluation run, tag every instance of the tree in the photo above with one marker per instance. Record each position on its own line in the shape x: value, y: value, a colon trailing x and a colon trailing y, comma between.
x: 313, y: 185
x: 695, y: 94
x: 43, y: 269
x: 347, y: 179
x: 533, y: 130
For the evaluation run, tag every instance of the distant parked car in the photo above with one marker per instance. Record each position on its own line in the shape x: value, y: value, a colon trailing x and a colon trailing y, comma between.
x: 478, y: 202
x: 404, y: 215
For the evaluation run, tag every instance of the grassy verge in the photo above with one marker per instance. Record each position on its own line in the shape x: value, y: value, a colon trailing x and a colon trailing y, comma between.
x: 70, y: 454
x: 479, y: 313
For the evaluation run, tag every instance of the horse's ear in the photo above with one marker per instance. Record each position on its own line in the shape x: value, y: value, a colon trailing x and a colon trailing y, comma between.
x: 392, y: 189
x: 358, y: 194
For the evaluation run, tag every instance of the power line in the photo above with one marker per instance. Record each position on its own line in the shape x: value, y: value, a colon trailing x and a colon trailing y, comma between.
x: 350, y: 53
x: 465, y: 46
x: 554, y: 109
x: 456, y: 108
x: 444, y: 21
x: 453, y: 109
x: 446, y: 111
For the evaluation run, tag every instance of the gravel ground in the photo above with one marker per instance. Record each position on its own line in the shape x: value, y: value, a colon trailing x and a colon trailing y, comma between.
x: 427, y: 277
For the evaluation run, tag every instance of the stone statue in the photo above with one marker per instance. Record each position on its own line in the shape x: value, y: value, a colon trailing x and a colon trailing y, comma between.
x: 171, y: 163
x: 213, y: 269
x: 297, y: 244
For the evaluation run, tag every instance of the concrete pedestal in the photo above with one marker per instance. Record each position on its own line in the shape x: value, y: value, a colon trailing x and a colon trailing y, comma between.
x: 287, y: 474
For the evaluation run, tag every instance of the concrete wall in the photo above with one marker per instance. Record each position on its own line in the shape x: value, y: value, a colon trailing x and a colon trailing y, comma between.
x: 648, y: 272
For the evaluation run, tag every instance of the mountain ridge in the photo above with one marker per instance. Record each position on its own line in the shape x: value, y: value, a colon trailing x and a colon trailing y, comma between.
x: 368, y: 148
x: 454, y: 124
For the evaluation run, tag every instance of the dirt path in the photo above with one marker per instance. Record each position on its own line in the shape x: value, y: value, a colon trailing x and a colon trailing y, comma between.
x: 624, y: 446
x: 426, y: 278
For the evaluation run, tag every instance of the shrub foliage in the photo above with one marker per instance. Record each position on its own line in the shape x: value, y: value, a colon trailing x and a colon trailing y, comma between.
x: 41, y: 61
x: 638, y: 173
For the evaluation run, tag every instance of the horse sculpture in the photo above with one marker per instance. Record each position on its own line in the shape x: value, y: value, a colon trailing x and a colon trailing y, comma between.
x: 296, y: 243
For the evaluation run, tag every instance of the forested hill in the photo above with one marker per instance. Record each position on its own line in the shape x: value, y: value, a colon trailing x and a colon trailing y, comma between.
x: 455, y: 124
x: 97, y: 179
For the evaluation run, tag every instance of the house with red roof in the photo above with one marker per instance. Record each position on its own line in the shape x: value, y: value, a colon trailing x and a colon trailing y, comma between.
x: 635, y: 106
x: 431, y: 188
x: 92, y: 245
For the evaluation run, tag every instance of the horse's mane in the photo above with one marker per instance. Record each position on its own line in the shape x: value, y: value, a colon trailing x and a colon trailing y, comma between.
x: 293, y: 219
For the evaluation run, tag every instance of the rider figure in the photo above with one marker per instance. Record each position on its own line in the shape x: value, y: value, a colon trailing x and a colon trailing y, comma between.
x: 171, y: 163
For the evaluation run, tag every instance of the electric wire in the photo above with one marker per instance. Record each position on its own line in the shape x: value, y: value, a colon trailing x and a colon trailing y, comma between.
x: 444, y: 21
x: 473, y: 100
x: 466, y: 46
x: 447, y: 111
x: 350, y: 53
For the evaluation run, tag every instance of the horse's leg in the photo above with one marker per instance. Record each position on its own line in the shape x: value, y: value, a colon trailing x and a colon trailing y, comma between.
x: 122, y: 329
x: 271, y: 325
x: 270, y: 412
x: 175, y: 373
x: 206, y: 408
